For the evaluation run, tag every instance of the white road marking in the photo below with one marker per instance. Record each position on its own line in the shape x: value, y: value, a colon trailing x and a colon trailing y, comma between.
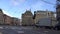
x: 17, y: 28
x: 13, y: 28
x: 26, y: 28
x: 46, y: 31
x: 20, y: 31
x: 43, y: 33
x: 1, y: 27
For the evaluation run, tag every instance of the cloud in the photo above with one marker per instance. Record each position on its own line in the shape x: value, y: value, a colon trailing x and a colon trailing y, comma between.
x: 14, y: 2
x: 17, y: 2
x: 5, y: 12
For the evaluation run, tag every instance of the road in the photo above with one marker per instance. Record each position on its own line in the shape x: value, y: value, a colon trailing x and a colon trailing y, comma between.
x: 25, y: 30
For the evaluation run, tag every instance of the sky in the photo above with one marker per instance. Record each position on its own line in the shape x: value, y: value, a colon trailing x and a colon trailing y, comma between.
x: 15, y: 8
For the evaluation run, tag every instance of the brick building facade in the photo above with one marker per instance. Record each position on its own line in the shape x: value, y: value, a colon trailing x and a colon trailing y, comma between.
x: 1, y: 17
x: 7, y: 20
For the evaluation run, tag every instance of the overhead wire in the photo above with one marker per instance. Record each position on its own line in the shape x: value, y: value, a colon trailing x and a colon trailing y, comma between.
x: 42, y: 1
x: 48, y: 2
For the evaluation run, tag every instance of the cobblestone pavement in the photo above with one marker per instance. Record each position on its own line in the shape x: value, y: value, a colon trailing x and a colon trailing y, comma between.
x: 25, y: 30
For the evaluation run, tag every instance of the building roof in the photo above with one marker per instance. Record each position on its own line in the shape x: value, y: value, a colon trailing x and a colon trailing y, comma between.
x: 28, y: 12
x: 0, y: 10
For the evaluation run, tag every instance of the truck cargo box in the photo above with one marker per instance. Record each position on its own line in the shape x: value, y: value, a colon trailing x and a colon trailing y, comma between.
x: 44, y: 22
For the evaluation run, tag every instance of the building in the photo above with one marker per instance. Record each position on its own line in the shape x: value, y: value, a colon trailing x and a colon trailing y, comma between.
x: 39, y: 15
x: 11, y: 20
x: 15, y: 21
x: 58, y: 11
x: 7, y: 20
x: 27, y: 18
x: 44, y: 17
x: 1, y: 17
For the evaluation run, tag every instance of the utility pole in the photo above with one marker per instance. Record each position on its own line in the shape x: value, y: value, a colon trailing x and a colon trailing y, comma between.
x: 58, y: 13
x: 58, y: 10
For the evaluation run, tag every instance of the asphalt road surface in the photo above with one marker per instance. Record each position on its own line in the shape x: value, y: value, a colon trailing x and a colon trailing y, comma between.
x: 26, y: 30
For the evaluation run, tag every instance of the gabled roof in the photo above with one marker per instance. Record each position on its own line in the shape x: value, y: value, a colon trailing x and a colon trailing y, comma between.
x: 28, y: 12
